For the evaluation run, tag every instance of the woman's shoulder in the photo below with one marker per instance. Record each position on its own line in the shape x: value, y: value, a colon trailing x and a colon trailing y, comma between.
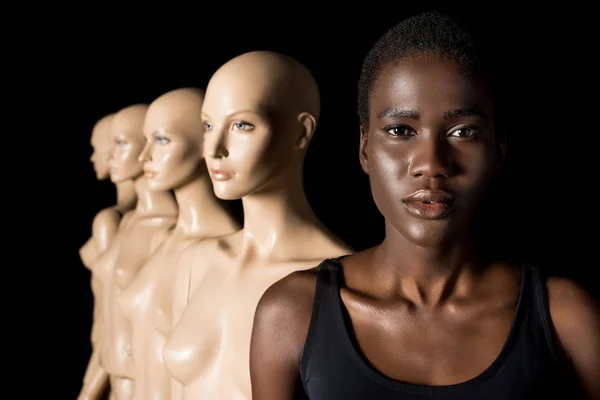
x: 291, y: 295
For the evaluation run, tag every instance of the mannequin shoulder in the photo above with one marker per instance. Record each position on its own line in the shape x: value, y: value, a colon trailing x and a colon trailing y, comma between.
x: 287, y: 304
x: 107, y: 219
x: 201, y: 251
x: 160, y: 237
x: 228, y: 244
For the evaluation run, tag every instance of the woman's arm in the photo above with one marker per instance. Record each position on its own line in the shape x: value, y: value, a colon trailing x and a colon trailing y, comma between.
x: 576, y: 318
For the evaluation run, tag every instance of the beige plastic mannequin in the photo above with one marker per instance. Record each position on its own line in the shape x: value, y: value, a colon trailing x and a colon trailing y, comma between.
x: 260, y: 112
x: 173, y: 159
x: 139, y: 233
x: 104, y: 228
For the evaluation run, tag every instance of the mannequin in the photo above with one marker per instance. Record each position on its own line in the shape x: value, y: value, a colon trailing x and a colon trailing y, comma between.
x: 104, y: 228
x: 140, y: 232
x: 260, y: 112
x: 172, y: 160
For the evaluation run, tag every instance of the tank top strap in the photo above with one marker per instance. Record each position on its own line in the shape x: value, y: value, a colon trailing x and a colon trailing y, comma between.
x: 541, y: 308
x: 328, y: 278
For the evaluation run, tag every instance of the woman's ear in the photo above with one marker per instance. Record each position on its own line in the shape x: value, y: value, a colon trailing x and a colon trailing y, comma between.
x: 362, y: 153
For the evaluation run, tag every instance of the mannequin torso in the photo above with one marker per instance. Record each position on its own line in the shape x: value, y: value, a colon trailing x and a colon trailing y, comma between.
x: 140, y: 232
x: 260, y: 112
x: 146, y: 303
x: 104, y: 229
x: 227, y: 278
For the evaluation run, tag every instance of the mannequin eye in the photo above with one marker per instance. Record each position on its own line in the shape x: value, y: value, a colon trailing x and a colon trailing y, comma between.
x: 242, y: 126
x: 162, y: 140
x: 208, y: 126
x: 120, y: 142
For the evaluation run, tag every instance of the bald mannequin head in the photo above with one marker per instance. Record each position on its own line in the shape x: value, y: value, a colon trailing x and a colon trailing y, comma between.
x: 173, y: 130
x: 260, y: 112
x: 127, y: 143
x: 272, y: 81
x: 100, y: 142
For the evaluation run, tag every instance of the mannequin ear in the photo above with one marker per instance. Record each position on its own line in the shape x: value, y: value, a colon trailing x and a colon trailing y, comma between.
x: 362, y: 153
x: 309, y: 124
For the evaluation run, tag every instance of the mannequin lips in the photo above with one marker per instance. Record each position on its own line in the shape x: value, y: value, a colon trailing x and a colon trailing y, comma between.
x: 220, y: 174
x: 429, y: 204
x: 149, y: 173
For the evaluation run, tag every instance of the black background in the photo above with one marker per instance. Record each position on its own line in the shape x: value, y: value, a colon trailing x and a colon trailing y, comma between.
x: 545, y: 205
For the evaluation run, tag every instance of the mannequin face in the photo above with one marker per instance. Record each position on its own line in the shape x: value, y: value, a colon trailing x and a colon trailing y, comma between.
x: 430, y: 128
x: 173, y: 132
x: 170, y: 158
x: 246, y: 142
x: 127, y: 144
x: 100, y: 142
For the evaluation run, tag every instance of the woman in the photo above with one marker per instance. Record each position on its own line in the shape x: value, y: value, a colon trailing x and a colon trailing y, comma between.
x: 428, y: 312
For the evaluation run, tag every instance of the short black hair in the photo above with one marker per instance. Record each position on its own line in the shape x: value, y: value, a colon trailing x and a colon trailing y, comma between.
x: 429, y: 32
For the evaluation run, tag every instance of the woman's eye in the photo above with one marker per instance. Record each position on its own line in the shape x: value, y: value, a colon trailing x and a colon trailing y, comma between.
x: 399, y: 130
x: 464, y: 132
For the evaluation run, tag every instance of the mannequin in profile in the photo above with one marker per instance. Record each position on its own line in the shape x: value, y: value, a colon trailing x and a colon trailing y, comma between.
x: 173, y: 160
x: 104, y: 228
x: 260, y: 112
x: 140, y: 232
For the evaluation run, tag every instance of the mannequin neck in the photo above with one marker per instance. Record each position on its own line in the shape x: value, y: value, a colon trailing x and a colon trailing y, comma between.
x: 197, y: 204
x: 155, y: 204
x: 126, y: 196
x: 275, y: 213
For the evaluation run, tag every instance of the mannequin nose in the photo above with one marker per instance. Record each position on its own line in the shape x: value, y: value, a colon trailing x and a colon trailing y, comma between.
x: 215, y: 145
x: 145, y: 154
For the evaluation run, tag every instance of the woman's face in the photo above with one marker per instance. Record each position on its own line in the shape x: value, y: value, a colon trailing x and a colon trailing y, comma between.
x: 430, y: 147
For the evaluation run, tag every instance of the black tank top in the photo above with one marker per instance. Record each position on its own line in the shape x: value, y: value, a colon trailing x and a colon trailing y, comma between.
x: 333, y: 368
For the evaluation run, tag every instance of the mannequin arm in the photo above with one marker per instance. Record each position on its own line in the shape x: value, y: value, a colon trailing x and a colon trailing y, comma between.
x: 104, y: 228
x: 280, y: 326
x: 576, y: 318
x: 97, y: 330
x: 95, y: 379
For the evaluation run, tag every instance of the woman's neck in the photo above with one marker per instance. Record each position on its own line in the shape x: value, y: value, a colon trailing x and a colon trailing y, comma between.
x: 153, y: 203
x: 200, y: 211
x: 126, y: 196
x: 426, y: 274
